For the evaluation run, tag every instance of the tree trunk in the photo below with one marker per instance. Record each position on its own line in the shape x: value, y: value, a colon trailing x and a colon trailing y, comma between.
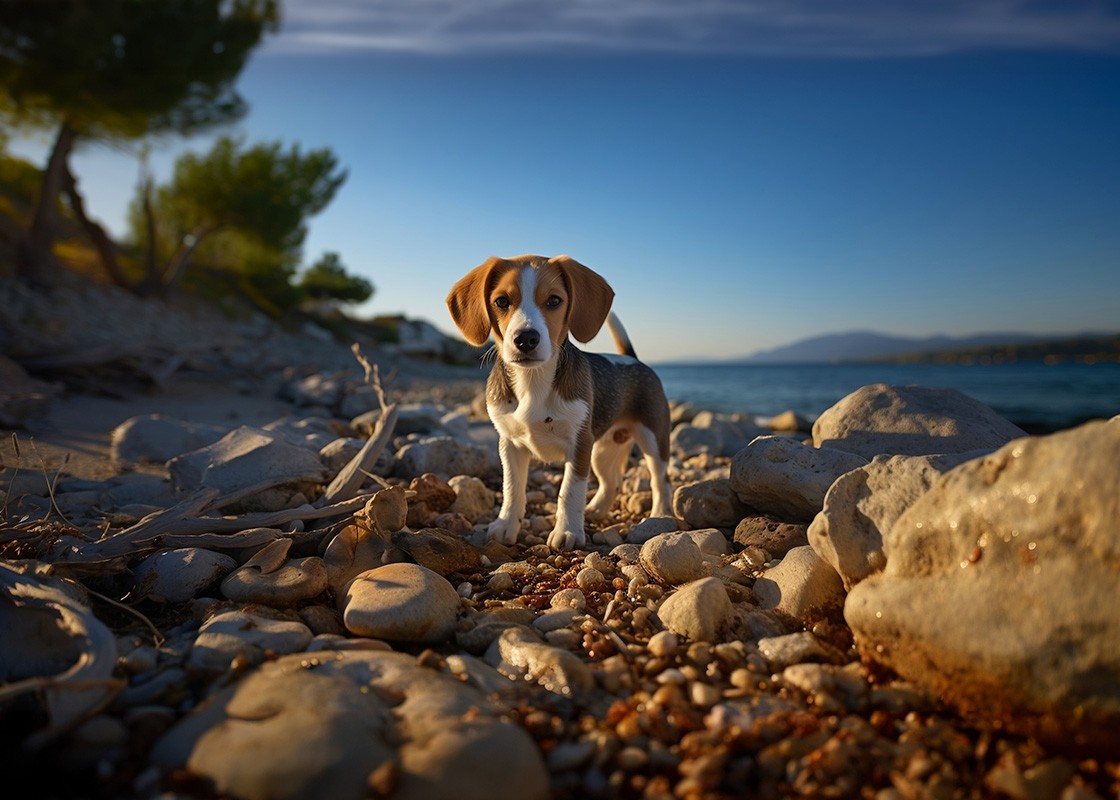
x: 97, y: 236
x: 151, y: 268
x: 36, y: 261
x: 183, y: 253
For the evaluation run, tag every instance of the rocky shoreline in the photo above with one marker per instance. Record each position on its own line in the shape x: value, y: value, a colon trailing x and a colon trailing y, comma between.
x: 907, y: 598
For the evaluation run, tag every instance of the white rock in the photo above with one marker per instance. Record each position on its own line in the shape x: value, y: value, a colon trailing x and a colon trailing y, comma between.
x: 337, y: 453
x: 1000, y: 590
x: 735, y: 431
x: 911, y: 420
x: 801, y: 584
x: 711, y: 541
x: 443, y: 455
x: 795, y: 648
x: 700, y: 610
x: 672, y: 558
x: 847, y: 533
x: 649, y: 528
x: 690, y: 440
x: 473, y: 499
x: 708, y: 504
x: 312, y: 433
x: 783, y: 477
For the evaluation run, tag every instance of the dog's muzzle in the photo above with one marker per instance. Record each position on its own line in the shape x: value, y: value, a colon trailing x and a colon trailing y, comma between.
x: 526, y: 341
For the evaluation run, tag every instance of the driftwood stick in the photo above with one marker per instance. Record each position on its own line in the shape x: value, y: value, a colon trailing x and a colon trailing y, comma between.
x: 349, y: 479
x: 192, y: 506
x: 183, y: 526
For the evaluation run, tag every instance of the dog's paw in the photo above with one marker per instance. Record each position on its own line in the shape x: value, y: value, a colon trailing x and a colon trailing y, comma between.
x: 563, y: 539
x: 503, y: 531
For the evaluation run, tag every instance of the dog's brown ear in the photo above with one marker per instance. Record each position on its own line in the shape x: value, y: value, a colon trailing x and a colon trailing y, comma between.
x: 468, y: 304
x: 591, y: 298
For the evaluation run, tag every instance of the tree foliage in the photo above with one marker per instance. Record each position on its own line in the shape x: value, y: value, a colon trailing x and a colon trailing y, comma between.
x: 239, y: 209
x: 116, y: 70
x: 327, y: 279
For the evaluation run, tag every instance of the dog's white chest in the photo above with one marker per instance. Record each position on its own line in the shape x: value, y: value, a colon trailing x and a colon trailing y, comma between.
x: 547, y: 428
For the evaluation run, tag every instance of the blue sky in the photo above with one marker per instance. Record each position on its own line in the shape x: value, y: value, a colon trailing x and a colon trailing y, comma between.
x: 745, y: 173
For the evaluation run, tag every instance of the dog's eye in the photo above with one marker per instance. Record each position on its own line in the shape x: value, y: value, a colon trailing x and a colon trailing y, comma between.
x: 502, y: 302
x: 553, y: 301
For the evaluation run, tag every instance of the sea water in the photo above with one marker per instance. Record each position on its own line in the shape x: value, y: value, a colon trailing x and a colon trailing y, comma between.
x: 1036, y: 396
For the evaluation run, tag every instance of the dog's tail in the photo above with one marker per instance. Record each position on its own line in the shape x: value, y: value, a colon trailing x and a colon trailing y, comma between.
x: 621, y: 338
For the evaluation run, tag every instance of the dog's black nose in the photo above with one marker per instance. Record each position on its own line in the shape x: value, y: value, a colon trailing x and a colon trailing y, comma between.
x: 527, y: 340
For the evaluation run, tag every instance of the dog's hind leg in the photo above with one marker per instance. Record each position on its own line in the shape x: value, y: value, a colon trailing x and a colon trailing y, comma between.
x: 658, y: 468
x: 608, y: 461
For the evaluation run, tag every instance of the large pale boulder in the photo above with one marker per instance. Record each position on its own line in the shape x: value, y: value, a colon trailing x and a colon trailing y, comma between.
x: 847, y: 533
x: 783, y: 477
x: 353, y: 724
x: 911, y: 420
x: 1002, y: 585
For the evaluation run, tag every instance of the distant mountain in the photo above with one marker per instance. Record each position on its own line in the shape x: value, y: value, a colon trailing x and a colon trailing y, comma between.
x: 869, y: 345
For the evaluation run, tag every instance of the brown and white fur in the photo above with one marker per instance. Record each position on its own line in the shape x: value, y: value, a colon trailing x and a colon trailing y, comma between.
x: 551, y: 401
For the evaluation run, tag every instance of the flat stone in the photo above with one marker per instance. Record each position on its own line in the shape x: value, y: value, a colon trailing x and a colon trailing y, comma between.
x: 439, y: 550
x: 233, y: 635
x: 293, y: 582
x: 242, y: 458
x: 401, y: 602
x: 155, y: 438
x: 784, y: 478
x: 175, y: 576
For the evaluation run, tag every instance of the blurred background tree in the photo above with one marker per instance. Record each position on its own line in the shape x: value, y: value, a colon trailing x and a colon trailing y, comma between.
x: 238, y: 210
x: 115, y: 71
x: 327, y: 279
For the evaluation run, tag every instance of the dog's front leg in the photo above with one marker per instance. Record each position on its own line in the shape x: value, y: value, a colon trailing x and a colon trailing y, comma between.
x: 515, y: 475
x: 568, y: 533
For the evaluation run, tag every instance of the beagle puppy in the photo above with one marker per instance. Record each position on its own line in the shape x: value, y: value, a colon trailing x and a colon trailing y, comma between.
x: 551, y: 401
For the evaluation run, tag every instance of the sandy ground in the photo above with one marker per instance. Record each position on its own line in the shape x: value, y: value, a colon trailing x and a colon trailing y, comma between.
x: 73, y: 432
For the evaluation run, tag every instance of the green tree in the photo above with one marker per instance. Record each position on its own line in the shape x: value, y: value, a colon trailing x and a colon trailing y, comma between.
x: 242, y: 210
x: 327, y: 279
x: 113, y: 71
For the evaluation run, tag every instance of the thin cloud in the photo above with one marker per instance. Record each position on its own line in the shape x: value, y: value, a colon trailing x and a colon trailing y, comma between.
x: 791, y: 28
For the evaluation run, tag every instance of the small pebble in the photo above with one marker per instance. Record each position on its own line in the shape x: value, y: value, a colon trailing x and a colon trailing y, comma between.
x: 569, y: 598
x: 589, y: 579
x: 663, y: 644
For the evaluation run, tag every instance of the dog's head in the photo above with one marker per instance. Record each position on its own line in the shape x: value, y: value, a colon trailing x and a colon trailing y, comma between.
x: 530, y: 304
